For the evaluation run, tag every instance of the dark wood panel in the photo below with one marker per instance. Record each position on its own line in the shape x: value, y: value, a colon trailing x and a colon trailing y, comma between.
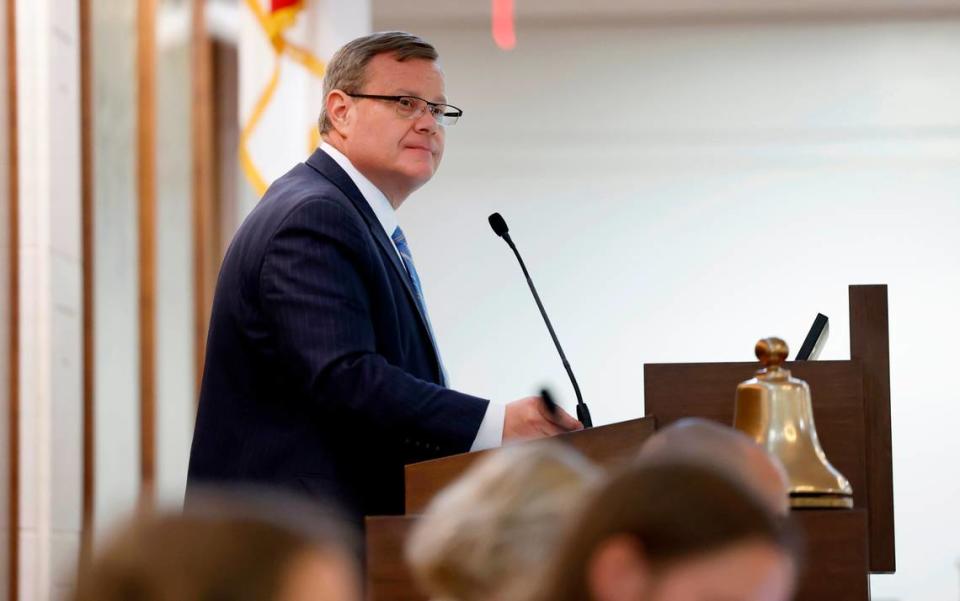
x: 387, y: 575
x: 676, y: 390
x: 147, y: 235
x: 837, y: 566
x: 604, y: 444
x: 835, y: 570
x: 870, y: 343
x: 226, y: 125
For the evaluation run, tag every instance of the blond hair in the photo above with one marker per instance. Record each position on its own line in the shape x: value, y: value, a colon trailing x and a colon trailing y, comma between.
x: 481, y: 537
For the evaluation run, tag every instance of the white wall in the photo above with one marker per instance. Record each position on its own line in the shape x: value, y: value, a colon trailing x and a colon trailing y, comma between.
x: 50, y: 369
x: 176, y: 387
x: 116, y: 335
x: 117, y: 394
x: 680, y: 191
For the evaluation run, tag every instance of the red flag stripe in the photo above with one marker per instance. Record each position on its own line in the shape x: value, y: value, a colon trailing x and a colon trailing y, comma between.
x: 276, y: 5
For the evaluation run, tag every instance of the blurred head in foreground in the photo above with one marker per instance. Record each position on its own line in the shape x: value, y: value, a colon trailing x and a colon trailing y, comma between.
x: 481, y: 538
x: 726, y: 449
x: 265, y: 548
x: 673, y: 532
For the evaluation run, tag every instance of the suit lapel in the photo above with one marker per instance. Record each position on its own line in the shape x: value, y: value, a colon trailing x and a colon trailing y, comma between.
x: 328, y: 168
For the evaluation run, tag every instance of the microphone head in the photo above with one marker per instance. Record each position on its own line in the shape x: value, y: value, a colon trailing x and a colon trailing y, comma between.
x: 498, y: 224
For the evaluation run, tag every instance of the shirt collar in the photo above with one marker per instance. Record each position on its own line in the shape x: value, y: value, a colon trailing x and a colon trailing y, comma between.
x: 378, y: 202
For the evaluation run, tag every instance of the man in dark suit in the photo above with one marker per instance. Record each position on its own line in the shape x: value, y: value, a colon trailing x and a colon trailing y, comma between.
x: 322, y: 372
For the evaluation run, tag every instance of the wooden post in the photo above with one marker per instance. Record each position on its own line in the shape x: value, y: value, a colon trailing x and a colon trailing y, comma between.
x: 870, y: 343
x: 13, y: 342
x: 206, y: 252
x: 87, y: 245
x: 147, y: 226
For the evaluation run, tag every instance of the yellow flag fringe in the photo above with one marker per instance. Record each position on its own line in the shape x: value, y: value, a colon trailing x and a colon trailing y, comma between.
x: 273, y: 26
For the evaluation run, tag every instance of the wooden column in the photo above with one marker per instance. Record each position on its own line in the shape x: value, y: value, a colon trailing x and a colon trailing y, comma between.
x: 13, y: 343
x: 870, y: 343
x: 147, y: 227
x: 206, y: 238
x: 87, y: 246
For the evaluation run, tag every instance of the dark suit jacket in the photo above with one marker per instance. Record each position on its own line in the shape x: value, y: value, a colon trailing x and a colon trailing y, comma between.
x: 320, y: 373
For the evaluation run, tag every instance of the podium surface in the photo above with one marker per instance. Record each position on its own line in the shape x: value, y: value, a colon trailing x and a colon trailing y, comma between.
x: 605, y: 445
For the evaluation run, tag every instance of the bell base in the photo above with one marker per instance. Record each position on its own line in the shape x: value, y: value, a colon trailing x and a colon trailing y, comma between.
x: 821, y: 502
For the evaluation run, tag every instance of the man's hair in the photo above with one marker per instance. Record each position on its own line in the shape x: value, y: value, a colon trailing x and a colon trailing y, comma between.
x: 698, y: 440
x: 674, y: 511
x: 347, y: 69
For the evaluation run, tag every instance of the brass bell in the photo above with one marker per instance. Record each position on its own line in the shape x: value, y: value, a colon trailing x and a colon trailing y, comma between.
x: 775, y: 410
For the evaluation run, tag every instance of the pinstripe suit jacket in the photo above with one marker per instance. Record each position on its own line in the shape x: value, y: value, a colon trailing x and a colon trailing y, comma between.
x: 320, y: 374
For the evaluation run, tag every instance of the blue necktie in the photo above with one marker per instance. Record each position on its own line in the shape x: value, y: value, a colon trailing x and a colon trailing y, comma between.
x: 401, y: 242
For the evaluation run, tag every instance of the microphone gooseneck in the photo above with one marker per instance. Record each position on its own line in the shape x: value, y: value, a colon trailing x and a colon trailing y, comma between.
x: 500, y: 228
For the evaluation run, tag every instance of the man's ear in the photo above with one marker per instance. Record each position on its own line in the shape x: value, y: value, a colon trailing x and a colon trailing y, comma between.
x: 340, y: 111
x: 618, y: 570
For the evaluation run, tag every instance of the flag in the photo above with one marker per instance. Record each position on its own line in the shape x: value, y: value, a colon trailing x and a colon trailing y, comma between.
x: 284, y: 45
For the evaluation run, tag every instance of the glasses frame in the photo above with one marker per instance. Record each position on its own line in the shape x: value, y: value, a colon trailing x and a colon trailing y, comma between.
x: 455, y: 114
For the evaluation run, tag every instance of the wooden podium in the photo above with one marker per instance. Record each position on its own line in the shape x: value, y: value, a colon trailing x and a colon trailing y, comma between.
x: 851, y: 401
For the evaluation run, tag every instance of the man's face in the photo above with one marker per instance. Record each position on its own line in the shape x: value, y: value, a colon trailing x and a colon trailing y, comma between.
x: 397, y: 154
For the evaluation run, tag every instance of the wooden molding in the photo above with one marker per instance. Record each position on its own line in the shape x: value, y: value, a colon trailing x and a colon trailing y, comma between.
x: 147, y: 234
x: 13, y: 343
x: 87, y: 246
x: 205, y: 219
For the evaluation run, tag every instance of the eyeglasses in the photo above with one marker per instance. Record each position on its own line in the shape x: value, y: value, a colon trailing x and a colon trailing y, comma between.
x: 411, y: 107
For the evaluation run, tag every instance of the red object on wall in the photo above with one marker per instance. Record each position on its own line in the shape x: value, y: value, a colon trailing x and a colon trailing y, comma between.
x: 501, y: 24
x: 276, y: 5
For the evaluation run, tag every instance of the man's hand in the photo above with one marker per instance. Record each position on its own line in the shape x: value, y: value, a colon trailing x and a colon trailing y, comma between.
x: 529, y: 418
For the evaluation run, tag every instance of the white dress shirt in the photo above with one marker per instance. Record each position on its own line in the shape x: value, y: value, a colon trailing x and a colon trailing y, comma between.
x: 490, y: 433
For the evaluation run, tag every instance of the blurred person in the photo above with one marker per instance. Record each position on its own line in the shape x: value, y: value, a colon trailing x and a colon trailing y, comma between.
x: 482, y: 537
x: 701, y: 440
x: 263, y: 547
x: 322, y: 373
x: 674, y: 532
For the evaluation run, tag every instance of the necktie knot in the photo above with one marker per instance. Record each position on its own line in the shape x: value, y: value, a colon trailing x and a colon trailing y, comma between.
x: 401, y: 242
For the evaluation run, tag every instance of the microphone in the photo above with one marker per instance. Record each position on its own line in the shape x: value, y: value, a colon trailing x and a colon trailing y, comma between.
x: 500, y: 228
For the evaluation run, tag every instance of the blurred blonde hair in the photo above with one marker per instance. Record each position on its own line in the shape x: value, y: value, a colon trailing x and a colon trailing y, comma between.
x: 481, y: 538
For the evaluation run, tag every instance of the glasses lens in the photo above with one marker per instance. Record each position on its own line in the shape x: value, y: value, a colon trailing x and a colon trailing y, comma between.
x: 437, y: 111
x: 409, y: 107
